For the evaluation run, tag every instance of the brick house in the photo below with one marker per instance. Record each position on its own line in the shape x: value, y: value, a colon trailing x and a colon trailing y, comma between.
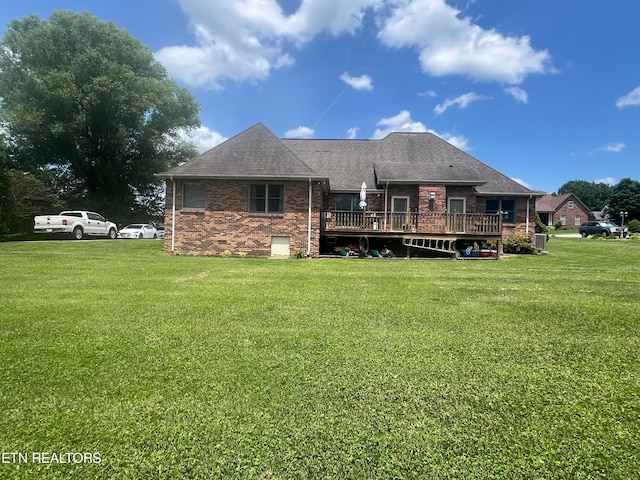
x: 566, y: 209
x: 259, y: 195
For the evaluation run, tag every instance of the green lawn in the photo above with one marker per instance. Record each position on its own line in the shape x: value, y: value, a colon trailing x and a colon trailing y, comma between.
x: 191, y: 367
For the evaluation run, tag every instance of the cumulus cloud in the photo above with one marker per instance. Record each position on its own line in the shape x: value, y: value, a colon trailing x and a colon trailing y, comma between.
x: 631, y: 99
x: 362, y: 82
x: 462, y: 102
x: 521, y: 182
x: 352, y: 133
x: 612, y: 147
x: 246, y: 40
x: 517, y: 93
x: 203, y: 138
x: 607, y: 180
x: 402, y: 122
x: 300, y: 132
x: 450, y: 45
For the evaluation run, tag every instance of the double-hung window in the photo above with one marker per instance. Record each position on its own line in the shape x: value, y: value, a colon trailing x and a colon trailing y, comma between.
x: 193, y: 195
x: 506, y: 206
x: 266, y: 198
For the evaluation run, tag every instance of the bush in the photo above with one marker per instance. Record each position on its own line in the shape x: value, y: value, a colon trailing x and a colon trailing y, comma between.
x: 634, y: 226
x: 540, y: 227
x: 519, y: 243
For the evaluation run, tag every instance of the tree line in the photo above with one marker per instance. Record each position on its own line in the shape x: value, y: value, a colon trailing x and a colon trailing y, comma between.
x: 88, y: 117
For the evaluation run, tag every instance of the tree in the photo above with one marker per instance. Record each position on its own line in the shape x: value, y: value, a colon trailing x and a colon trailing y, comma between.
x: 593, y: 195
x: 625, y: 197
x: 87, y: 101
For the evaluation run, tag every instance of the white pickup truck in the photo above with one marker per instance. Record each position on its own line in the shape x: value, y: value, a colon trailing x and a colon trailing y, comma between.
x: 76, y: 222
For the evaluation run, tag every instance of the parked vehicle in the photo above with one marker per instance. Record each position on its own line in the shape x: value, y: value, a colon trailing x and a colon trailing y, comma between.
x: 160, y: 232
x: 78, y: 223
x: 138, y: 230
x: 602, y: 228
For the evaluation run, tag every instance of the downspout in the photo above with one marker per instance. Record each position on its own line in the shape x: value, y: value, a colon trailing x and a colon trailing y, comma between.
x: 528, y: 216
x: 309, y: 220
x: 173, y: 216
x: 386, y: 199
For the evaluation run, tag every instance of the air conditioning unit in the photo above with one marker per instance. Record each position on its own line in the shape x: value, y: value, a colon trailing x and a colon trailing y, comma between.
x: 541, y: 241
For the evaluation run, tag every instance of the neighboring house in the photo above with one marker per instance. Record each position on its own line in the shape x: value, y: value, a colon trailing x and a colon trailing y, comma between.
x: 259, y: 195
x: 566, y: 209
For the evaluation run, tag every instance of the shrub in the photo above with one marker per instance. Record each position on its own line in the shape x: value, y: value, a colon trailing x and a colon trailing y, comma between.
x: 540, y: 227
x: 300, y: 254
x: 558, y: 225
x: 226, y: 253
x: 519, y: 243
x: 634, y: 226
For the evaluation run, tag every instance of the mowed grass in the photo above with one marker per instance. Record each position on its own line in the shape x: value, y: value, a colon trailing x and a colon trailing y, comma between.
x: 191, y: 367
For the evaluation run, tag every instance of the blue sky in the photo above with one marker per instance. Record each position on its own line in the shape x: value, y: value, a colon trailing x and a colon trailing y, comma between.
x: 545, y: 91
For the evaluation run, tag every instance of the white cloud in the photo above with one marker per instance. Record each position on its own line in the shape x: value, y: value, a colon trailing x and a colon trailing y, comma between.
x: 428, y: 93
x: 608, y: 180
x: 352, y: 133
x: 362, y: 82
x: 300, y: 132
x: 245, y: 40
x: 462, y: 101
x: 522, y: 182
x: 450, y: 45
x: 203, y: 138
x: 404, y: 123
x: 517, y: 93
x: 612, y: 147
x: 631, y: 99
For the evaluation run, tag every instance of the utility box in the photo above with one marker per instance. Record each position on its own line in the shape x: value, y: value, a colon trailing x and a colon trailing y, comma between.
x: 541, y: 241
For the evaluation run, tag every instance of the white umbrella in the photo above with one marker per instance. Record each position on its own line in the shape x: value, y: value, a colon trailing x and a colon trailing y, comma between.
x: 363, y: 195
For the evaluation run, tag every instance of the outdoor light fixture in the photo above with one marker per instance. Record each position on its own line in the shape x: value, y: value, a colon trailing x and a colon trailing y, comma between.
x: 622, y: 215
x: 432, y: 196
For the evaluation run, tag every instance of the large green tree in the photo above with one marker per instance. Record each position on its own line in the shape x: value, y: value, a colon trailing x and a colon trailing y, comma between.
x: 87, y: 101
x: 593, y: 195
x: 625, y: 197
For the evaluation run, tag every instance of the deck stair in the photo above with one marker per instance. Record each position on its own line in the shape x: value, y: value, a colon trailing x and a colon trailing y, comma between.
x: 434, y: 244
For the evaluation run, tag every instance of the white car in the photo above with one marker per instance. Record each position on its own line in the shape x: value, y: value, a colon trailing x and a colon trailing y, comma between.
x: 160, y: 231
x: 138, y: 230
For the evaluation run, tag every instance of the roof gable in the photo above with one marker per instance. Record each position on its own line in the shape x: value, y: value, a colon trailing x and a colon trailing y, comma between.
x: 551, y: 203
x: 256, y: 152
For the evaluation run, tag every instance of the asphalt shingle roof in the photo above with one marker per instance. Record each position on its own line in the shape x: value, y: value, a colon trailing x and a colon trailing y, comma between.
x: 397, y: 158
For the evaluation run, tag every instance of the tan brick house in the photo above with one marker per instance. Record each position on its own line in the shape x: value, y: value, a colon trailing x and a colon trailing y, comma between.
x: 259, y: 195
x: 566, y: 209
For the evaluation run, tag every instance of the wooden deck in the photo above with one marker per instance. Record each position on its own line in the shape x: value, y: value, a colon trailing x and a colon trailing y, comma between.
x: 400, y: 224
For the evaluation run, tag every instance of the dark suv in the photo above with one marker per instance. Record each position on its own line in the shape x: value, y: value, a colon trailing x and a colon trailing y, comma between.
x: 602, y: 228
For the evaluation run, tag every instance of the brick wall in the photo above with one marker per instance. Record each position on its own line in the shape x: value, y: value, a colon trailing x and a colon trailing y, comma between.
x: 226, y: 224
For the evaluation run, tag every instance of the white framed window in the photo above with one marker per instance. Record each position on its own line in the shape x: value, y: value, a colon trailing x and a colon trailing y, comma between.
x: 577, y: 221
x: 570, y: 204
x: 193, y: 195
x: 563, y: 219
